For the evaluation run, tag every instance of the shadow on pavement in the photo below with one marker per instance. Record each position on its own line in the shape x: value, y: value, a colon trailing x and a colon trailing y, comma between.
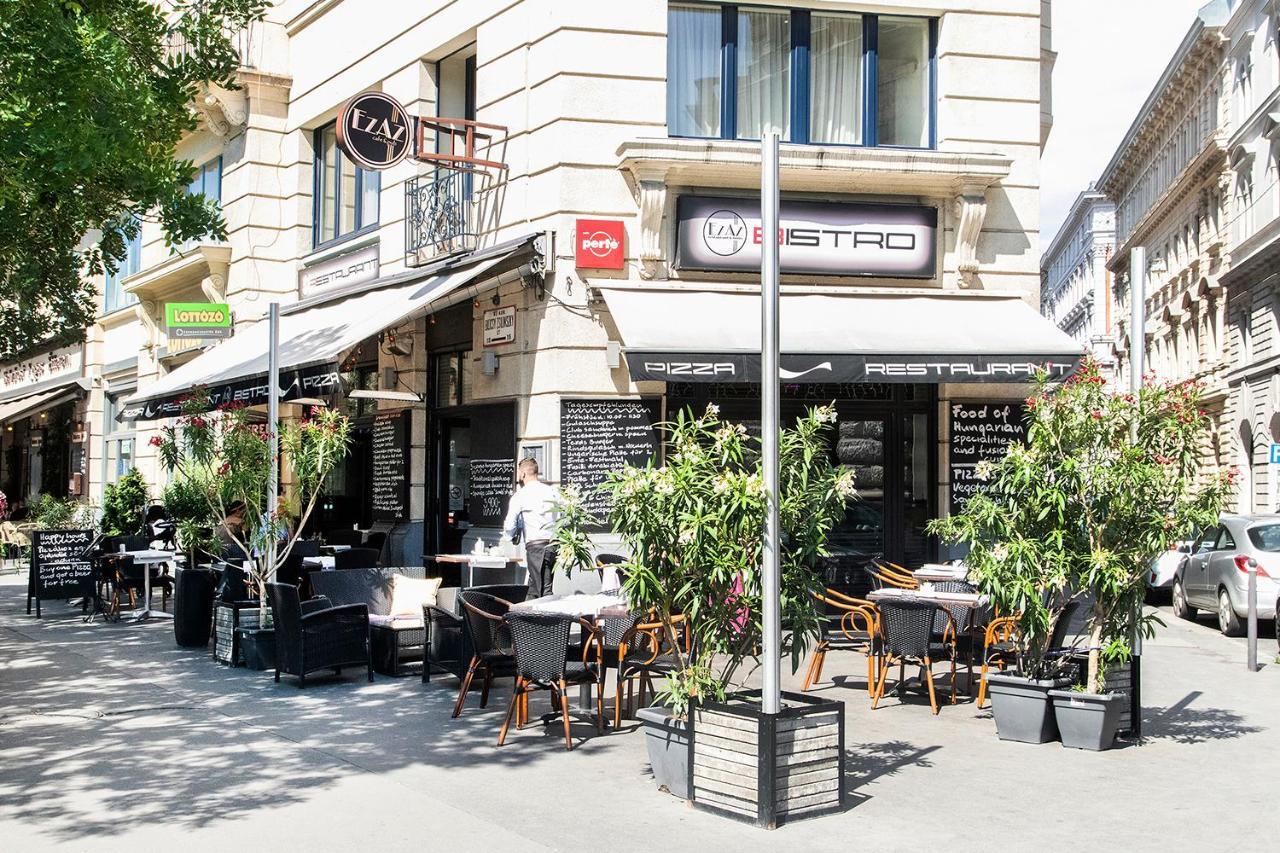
x: 1183, y: 724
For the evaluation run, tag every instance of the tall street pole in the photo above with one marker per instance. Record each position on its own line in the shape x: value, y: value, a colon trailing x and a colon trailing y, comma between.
x: 771, y: 642
x: 1137, y: 366
x: 273, y: 425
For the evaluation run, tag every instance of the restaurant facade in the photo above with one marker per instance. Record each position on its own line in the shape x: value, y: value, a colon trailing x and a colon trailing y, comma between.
x: 554, y: 244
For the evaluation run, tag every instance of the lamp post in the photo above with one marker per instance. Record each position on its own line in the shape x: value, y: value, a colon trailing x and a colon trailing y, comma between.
x: 771, y: 641
x: 273, y: 424
x: 1137, y: 366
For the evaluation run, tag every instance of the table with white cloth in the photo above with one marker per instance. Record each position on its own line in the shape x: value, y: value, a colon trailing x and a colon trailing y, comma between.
x: 493, y: 568
x: 321, y: 563
x: 933, y: 572
x: 148, y: 559
x: 580, y: 605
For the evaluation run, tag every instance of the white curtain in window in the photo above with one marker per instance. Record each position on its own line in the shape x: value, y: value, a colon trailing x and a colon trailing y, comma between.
x: 693, y: 71
x: 764, y: 73
x: 902, y: 91
x: 835, y: 79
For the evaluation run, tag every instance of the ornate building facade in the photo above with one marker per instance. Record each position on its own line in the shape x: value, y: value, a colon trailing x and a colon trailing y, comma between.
x: 1076, y: 286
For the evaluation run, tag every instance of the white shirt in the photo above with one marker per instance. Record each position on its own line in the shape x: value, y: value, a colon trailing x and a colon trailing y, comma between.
x: 536, y: 502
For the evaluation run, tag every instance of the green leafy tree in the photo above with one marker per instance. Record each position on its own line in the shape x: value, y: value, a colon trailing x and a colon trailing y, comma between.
x: 695, y: 527
x: 1104, y: 483
x: 94, y: 97
x: 124, y: 504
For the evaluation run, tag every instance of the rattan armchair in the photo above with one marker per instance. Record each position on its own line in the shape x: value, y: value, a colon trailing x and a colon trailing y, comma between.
x: 309, y: 640
x: 906, y: 634
x: 541, y: 649
x: 492, y: 655
x: 645, y: 652
x: 852, y: 625
x: 888, y: 574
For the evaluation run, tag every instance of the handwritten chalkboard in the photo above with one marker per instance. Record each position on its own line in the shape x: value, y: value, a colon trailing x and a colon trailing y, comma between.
x: 491, y: 485
x: 59, y: 566
x: 390, y: 480
x: 599, y: 436
x: 980, y: 432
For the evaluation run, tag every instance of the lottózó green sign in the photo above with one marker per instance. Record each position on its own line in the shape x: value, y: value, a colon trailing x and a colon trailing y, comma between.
x: 197, y: 320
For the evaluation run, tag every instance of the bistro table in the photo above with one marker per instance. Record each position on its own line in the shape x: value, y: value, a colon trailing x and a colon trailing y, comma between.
x: 970, y: 599
x: 321, y: 563
x: 589, y: 606
x: 469, y: 563
x: 147, y: 559
x: 932, y: 572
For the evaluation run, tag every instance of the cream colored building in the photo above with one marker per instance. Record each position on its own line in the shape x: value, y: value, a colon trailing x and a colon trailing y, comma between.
x: 912, y: 131
x: 1076, y: 288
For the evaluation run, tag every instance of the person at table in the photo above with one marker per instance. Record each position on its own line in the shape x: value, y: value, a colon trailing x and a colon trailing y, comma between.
x: 531, y: 513
x: 231, y: 529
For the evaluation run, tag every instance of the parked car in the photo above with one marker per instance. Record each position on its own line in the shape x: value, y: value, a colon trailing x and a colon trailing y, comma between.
x: 1214, y: 577
x: 1164, y: 566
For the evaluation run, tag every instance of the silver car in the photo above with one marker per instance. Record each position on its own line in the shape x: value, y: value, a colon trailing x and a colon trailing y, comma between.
x: 1214, y: 576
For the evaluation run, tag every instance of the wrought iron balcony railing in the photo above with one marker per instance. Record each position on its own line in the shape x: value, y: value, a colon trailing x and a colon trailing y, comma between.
x: 439, y: 215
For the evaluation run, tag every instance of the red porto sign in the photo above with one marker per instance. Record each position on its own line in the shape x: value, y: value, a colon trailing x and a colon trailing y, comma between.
x: 599, y: 244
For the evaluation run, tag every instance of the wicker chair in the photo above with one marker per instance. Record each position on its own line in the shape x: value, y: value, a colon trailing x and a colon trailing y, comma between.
x: 541, y: 645
x: 492, y: 655
x: 344, y: 536
x: 309, y: 640
x: 357, y: 558
x: 964, y: 618
x: 852, y: 625
x: 447, y: 645
x: 644, y: 652
x: 906, y: 632
x: 888, y: 575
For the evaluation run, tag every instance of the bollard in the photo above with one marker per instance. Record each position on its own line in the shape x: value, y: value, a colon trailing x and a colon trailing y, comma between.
x: 1251, y: 569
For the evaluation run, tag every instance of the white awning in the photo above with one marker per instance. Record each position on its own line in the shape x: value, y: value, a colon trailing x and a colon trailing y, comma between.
x: 23, y: 407
x: 709, y: 336
x: 313, y: 341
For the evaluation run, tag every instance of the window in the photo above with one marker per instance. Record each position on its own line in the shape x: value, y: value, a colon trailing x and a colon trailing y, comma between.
x: 1265, y: 537
x: 346, y: 196
x: 118, y: 438
x: 207, y: 181
x: 1225, y: 542
x: 114, y: 296
x: 738, y: 72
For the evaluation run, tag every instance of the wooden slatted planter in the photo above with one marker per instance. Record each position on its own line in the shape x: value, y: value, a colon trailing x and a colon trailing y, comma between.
x: 766, y: 769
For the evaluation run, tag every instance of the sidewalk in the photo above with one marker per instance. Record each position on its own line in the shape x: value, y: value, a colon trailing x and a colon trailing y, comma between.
x: 112, y: 738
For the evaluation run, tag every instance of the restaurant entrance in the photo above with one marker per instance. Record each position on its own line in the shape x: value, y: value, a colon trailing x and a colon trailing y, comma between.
x: 887, y: 433
x: 471, y: 474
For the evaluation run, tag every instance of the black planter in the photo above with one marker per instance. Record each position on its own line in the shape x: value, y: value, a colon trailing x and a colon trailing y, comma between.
x: 667, y: 740
x: 1022, y: 707
x: 258, y: 648
x: 1088, y: 720
x: 193, y: 607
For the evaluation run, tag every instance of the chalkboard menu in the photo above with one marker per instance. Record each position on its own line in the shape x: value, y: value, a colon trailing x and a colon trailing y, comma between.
x: 492, y: 481
x: 599, y: 436
x: 59, y: 567
x: 390, y: 481
x: 980, y: 432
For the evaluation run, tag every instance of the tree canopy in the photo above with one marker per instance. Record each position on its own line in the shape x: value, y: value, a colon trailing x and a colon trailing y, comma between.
x: 95, y: 96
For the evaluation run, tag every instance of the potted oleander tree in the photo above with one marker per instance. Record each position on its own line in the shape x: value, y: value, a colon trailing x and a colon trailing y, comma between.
x: 1104, y: 482
x: 694, y: 528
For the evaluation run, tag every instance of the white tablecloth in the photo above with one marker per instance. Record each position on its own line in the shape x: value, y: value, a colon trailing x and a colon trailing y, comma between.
x: 577, y: 604
x: 324, y: 564
x: 942, y: 572
x: 970, y: 598
x: 149, y: 557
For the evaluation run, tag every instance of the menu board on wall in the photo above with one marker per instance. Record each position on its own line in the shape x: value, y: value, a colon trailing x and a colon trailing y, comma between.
x: 599, y: 436
x: 980, y: 431
x: 492, y: 481
x: 390, y: 480
x: 60, y: 568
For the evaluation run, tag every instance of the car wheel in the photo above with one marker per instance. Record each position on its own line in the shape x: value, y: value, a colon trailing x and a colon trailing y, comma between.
x: 1181, y: 608
x: 1228, y: 621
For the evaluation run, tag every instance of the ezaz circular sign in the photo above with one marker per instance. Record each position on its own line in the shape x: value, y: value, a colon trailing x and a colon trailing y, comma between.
x: 374, y: 130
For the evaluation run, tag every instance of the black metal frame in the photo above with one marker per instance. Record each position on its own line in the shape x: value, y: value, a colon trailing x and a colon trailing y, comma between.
x: 438, y: 214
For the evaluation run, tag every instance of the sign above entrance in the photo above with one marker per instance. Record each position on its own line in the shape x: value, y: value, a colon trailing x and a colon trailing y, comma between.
x: 843, y: 367
x: 186, y: 320
x: 374, y: 130
x: 599, y: 244
x: 815, y: 238
x: 348, y: 269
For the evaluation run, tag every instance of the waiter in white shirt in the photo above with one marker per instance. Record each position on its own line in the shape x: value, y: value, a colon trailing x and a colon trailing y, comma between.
x: 532, y: 512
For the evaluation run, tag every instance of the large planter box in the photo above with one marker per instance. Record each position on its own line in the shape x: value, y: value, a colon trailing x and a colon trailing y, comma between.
x: 227, y: 617
x: 768, y: 768
x: 1088, y: 721
x: 257, y: 648
x: 1022, y: 707
x: 667, y: 741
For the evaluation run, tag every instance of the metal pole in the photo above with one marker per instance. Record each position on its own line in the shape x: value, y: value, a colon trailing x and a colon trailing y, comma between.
x: 771, y: 642
x: 1137, y: 366
x: 1251, y: 567
x: 273, y: 424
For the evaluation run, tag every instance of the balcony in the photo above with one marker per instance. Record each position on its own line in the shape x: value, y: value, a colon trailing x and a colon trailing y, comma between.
x: 439, y: 215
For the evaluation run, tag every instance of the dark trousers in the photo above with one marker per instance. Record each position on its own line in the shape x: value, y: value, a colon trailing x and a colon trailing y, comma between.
x: 541, y: 558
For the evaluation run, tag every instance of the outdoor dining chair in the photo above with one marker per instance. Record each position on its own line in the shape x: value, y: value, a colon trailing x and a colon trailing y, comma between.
x: 357, y: 558
x: 343, y: 536
x: 965, y: 619
x: 541, y: 643
x: 851, y: 624
x: 490, y: 639
x: 644, y: 653
x: 889, y: 575
x: 312, y: 636
x: 906, y: 632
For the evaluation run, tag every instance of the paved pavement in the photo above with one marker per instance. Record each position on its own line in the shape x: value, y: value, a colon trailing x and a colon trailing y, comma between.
x: 113, y: 738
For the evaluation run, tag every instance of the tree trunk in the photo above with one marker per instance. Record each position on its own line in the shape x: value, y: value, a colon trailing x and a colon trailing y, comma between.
x: 1096, y: 622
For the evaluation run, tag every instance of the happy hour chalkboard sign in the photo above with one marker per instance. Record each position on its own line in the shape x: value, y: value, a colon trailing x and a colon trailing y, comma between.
x: 980, y: 432
x: 491, y: 485
x: 390, y: 480
x: 60, y: 567
x: 599, y: 436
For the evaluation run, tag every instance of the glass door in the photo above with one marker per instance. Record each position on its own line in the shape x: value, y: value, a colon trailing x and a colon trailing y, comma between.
x: 861, y: 444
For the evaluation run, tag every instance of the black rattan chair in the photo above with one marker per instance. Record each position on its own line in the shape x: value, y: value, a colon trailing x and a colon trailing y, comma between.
x: 644, y: 652
x: 309, y: 640
x: 969, y: 629
x: 377, y: 540
x: 849, y: 624
x: 492, y: 655
x: 542, y: 644
x: 906, y: 634
x: 349, y: 538
x: 356, y: 558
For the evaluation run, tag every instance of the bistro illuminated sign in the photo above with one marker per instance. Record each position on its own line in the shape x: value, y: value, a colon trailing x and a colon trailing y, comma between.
x: 816, y: 238
x: 374, y: 130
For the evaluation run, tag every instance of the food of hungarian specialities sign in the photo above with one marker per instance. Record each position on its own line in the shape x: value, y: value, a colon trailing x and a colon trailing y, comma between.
x: 60, y: 568
x: 188, y: 320
x: 980, y: 432
x: 374, y: 130
x: 817, y: 238
x: 492, y: 481
x: 390, y: 475
x: 599, y: 436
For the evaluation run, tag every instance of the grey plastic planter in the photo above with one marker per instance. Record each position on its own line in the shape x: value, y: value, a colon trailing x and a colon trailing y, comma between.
x: 1022, y: 707
x: 1088, y: 720
x: 667, y: 740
